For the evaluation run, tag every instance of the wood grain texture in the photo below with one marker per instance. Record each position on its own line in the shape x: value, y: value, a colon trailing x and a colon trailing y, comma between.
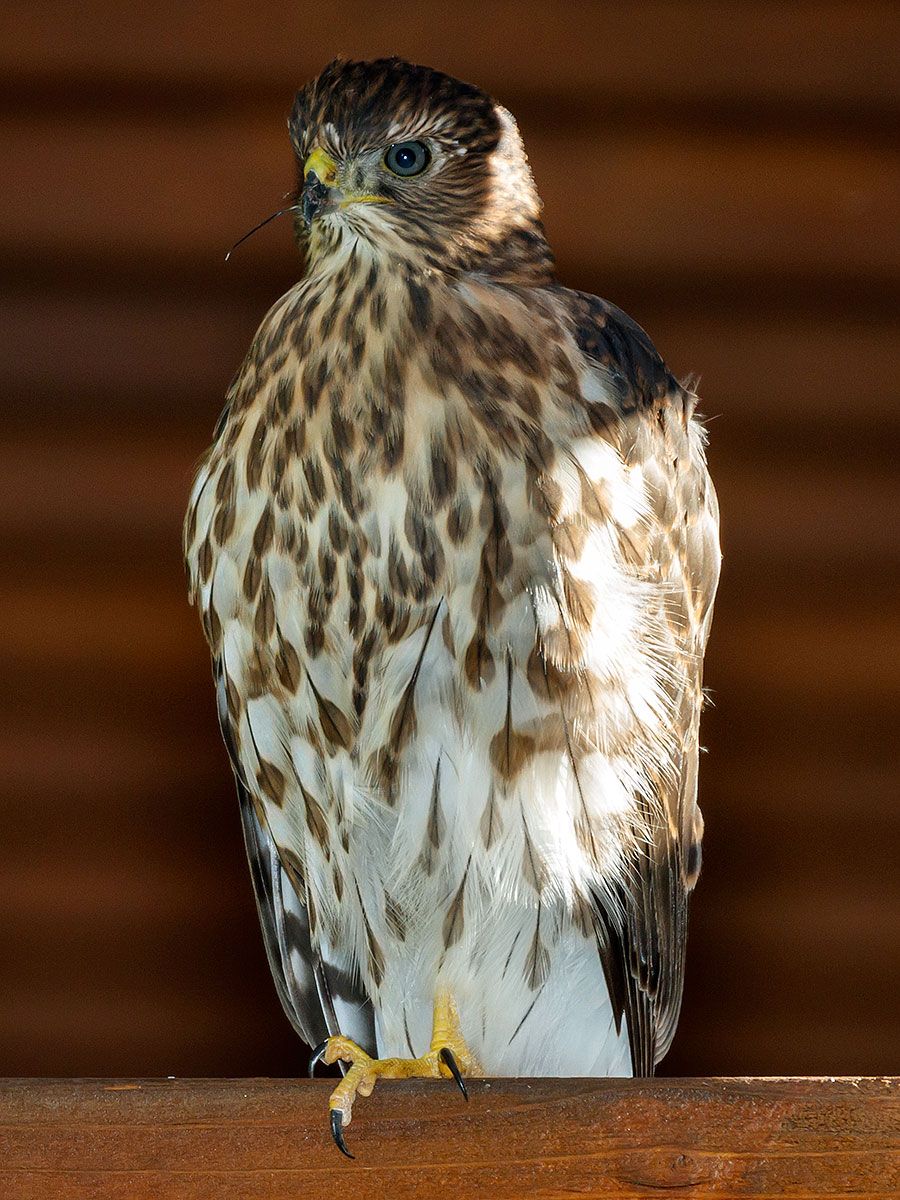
x: 515, y: 1140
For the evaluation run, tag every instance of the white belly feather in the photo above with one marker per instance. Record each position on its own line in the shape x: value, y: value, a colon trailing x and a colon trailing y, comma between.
x: 463, y: 873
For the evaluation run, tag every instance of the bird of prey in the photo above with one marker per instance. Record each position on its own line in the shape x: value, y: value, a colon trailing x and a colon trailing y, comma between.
x: 455, y: 548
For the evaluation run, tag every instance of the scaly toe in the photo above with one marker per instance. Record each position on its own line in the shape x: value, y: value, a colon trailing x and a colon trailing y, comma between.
x: 345, y: 1050
x: 359, y: 1081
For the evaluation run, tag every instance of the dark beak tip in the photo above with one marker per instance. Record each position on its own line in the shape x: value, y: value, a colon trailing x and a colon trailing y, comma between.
x: 314, y: 199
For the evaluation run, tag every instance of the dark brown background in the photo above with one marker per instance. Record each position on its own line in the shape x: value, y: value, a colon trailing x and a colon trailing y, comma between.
x: 728, y: 173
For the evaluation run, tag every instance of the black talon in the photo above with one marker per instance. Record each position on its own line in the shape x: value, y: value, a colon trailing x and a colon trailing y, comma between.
x: 316, y: 1057
x: 446, y: 1056
x: 337, y: 1131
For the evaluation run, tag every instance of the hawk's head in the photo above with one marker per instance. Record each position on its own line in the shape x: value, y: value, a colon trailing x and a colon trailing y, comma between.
x: 418, y: 168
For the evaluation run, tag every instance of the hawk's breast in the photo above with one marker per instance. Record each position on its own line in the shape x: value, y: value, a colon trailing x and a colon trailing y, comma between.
x: 420, y: 558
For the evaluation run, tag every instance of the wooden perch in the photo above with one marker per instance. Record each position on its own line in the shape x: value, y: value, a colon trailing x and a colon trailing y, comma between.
x: 262, y: 1139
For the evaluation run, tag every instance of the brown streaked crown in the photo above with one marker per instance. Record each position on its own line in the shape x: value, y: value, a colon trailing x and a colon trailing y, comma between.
x: 474, y: 209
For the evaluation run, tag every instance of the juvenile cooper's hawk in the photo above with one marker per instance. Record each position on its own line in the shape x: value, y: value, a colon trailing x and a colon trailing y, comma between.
x: 455, y: 551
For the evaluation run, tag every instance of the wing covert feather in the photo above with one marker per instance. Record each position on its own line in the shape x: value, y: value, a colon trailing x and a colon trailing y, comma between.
x: 642, y: 920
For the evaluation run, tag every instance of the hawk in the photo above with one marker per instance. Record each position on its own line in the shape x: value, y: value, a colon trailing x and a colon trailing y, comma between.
x: 455, y: 549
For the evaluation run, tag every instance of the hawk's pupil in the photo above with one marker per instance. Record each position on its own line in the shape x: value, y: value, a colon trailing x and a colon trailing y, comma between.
x: 407, y: 158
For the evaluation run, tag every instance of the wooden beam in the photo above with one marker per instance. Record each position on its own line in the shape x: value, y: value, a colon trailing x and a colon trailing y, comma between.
x: 516, y: 1139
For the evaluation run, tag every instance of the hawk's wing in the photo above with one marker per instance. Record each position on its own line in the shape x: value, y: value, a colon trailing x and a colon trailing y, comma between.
x: 643, y: 923
x: 319, y: 998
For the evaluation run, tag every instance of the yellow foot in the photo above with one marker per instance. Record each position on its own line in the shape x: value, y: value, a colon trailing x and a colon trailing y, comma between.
x: 448, y: 1058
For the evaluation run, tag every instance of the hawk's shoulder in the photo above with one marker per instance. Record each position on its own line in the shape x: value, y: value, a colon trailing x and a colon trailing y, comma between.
x: 637, y: 375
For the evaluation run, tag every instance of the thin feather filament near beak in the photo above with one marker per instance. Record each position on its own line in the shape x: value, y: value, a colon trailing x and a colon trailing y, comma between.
x: 256, y: 228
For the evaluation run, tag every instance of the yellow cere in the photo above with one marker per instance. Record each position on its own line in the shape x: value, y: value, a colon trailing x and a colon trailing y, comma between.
x: 323, y: 166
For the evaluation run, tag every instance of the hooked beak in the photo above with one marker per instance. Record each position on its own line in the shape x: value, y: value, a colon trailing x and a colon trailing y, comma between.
x: 321, y: 189
x: 316, y: 199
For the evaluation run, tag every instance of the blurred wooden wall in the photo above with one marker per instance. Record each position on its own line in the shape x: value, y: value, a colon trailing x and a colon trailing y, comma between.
x: 728, y: 173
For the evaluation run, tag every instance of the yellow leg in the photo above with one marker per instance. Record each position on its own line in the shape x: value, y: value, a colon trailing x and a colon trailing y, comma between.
x: 448, y: 1058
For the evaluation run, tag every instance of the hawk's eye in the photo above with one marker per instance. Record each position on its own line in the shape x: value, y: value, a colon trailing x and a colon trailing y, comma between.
x: 407, y: 158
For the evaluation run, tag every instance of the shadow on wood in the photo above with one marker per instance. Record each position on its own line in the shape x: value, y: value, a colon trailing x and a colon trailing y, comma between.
x: 266, y: 1139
